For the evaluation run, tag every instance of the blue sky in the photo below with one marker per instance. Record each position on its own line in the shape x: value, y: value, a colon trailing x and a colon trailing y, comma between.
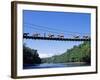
x: 66, y: 23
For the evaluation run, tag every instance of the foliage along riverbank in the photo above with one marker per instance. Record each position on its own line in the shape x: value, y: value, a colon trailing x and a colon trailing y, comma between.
x: 30, y: 56
x: 81, y: 53
x: 78, y: 54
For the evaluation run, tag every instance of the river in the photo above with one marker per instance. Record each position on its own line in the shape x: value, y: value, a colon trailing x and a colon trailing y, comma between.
x: 53, y: 65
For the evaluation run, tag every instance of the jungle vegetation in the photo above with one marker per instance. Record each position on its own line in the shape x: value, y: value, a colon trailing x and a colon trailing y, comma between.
x: 80, y: 53
x: 30, y: 56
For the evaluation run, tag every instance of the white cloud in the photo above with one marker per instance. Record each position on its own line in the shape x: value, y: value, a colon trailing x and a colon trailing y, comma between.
x: 44, y: 55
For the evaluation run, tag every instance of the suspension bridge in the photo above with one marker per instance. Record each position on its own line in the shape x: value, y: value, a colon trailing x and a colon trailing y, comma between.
x: 75, y: 36
x: 59, y: 39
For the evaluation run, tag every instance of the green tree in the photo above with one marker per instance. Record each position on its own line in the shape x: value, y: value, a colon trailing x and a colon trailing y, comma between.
x: 30, y: 56
x: 80, y: 53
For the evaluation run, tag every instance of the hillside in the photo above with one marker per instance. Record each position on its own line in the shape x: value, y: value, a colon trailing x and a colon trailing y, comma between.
x: 30, y: 56
x: 80, y: 53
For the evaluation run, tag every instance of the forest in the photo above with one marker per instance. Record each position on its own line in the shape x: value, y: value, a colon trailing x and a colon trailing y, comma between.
x: 80, y: 53
x: 30, y: 56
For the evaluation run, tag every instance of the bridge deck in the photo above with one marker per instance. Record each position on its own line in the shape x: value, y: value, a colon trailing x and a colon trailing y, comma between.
x: 60, y: 39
